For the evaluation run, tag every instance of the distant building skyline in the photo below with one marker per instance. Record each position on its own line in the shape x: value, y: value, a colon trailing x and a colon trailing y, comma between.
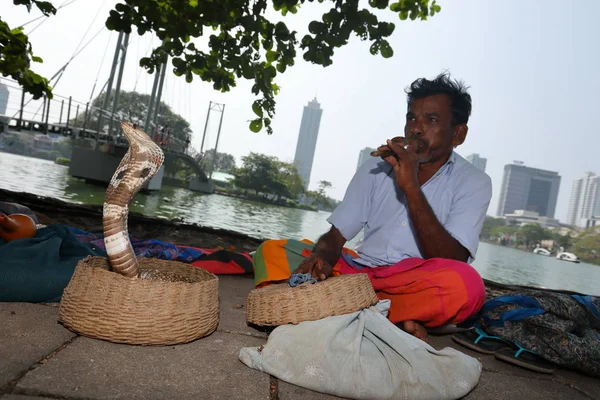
x: 584, y: 203
x: 523, y: 217
x: 530, y: 189
x: 363, y: 156
x: 307, y: 140
x: 477, y: 161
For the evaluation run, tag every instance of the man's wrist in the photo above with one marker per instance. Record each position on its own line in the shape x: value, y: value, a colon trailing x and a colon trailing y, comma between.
x: 326, y: 256
x: 324, y: 252
x: 411, y: 190
x: 329, y: 246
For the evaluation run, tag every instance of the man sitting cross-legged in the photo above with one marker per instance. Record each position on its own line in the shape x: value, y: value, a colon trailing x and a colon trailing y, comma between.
x: 421, y: 207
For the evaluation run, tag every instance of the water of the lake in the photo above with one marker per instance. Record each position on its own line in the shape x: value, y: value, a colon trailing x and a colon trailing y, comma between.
x: 500, y: 264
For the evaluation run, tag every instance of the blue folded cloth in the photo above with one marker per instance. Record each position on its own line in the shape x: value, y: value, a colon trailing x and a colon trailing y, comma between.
x: 299, y: 279
x: 38, y: 269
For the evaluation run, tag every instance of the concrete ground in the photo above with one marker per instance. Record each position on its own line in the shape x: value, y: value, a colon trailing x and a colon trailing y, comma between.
x: 40, y: 359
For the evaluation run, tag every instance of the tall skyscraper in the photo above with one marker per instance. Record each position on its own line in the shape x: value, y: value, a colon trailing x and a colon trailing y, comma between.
x: 530, y: 189
x: 364, y: 155
x: 4, y: 93
x: 585, y: 200
x: 477, y: 161
x: 307, y: 139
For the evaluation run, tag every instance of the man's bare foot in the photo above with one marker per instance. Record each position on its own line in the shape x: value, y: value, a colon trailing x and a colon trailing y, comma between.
x: 415, y: 329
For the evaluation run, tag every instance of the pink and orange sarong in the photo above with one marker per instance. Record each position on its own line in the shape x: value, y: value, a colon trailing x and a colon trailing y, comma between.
x: 434, y: 292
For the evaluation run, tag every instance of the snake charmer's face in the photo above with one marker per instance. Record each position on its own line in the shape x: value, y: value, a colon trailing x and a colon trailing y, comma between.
x: 429, y: 125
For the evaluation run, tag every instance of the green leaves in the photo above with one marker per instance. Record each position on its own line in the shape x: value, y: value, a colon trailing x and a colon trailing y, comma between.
x: 272, y: 56
x: 382, y: 46
x: 44, y: 6
x: 245, y: 44
x: 16, y: 55
x: 346, y: 18
x: 385, y: 49
x: 216, y: 161
x: 316, y: 28
x: 256, y: 125
x: 257, y: 108
x: 267, y: 175
x: 281, y: 30
x: 415, y: 9
x: 380, y: 4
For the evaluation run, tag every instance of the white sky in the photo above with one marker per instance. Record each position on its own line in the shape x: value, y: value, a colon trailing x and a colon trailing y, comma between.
x: 532, y: 67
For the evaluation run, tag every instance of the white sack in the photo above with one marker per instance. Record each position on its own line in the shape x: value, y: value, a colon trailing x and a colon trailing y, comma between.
x: 363, y: 356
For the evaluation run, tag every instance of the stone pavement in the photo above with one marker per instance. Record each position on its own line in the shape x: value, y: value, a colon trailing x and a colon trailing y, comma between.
x: 40, y: 359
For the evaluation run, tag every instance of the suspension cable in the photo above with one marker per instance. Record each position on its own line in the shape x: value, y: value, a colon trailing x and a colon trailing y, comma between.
x: 100, y: 67
x: 140, y: 69
x: 44, y: 16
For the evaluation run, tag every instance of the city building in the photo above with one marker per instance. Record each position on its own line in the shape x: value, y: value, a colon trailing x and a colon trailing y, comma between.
x: 529, y: 189
x: 364, y: 155
x: 477, y: 161
x: 307, y: 140
x: 592, y: 222
x: 585, y: 201
x: 4, y: 93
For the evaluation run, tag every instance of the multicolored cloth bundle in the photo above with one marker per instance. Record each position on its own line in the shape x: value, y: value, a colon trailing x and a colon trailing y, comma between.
x: 561, y: 328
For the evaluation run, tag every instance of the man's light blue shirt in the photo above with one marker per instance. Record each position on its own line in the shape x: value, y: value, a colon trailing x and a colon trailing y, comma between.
x: 458, y: 193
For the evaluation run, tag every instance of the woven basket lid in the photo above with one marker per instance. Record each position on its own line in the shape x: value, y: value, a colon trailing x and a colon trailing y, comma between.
x: 176, y: 304
x: 280, y: 304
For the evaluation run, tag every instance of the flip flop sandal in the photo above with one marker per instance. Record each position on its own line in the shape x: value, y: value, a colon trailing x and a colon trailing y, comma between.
x: 510, y: 352
x: 525, y: 359
x: 476, y: 339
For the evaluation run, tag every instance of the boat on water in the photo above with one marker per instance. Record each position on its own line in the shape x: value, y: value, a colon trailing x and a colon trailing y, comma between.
x: 542, y: 251
x: 566, y: 256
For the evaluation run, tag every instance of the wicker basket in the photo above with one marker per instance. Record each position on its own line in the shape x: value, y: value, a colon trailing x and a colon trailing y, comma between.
x: 280, y: 304
x: 101, y: 304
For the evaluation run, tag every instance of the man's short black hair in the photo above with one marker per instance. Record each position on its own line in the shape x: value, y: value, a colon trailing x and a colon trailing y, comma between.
x: 443, y: 84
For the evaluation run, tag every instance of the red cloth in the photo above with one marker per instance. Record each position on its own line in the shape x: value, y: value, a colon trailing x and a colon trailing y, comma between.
x: 223, y: 262
x: 435, y: 292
